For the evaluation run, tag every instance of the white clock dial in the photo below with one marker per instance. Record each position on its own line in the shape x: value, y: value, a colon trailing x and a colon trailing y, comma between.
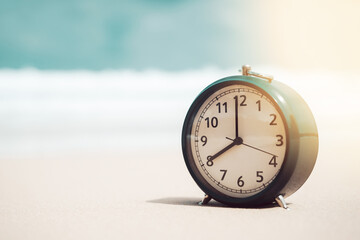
x: 238, y: 140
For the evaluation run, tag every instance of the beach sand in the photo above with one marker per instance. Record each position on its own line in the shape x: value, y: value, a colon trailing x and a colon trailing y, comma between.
x: 97, y: 155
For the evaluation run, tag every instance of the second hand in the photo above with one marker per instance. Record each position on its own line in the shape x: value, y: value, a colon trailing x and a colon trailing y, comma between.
x: 253, y: 147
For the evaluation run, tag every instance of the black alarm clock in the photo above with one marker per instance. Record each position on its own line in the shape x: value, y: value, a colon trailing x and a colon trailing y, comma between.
x: 249, y: 141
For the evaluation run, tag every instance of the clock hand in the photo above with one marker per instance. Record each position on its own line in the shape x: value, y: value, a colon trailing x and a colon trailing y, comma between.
x: 210, y: 158
x: 236, y: 117
x: 259, y: 149
x: 236, y: 141
x: 252, y: 147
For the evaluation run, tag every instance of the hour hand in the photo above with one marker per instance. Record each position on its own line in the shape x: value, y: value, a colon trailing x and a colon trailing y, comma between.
x: 211, y: 158
x: 236, y: 141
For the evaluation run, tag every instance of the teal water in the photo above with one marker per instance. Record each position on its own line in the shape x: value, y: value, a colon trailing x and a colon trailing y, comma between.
x: 81, y: 34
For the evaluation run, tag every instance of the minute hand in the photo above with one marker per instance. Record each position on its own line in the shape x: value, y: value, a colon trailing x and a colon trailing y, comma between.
x: 236, y: 116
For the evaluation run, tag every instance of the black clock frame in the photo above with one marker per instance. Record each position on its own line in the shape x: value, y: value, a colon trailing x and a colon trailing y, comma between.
x: 286, y: 182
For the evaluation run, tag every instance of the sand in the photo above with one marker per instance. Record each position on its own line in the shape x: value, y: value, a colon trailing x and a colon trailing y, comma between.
x: 97, y: 155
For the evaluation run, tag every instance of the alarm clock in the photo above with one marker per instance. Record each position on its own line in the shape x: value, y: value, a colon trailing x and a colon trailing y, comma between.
x: 248, y: 140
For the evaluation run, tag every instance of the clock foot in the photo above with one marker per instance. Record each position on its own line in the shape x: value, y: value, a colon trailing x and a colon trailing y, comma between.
x: 281, y: 201
x: 205, y: 200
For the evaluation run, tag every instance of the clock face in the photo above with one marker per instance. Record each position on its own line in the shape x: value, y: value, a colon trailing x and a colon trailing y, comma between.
x: 238, y: 140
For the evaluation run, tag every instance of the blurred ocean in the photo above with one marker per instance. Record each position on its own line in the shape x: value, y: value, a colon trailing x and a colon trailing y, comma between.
x: 52, y: 111
x: 47, y: 112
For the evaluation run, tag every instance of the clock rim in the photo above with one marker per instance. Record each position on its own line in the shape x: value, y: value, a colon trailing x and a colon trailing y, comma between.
x: 268, y: 194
